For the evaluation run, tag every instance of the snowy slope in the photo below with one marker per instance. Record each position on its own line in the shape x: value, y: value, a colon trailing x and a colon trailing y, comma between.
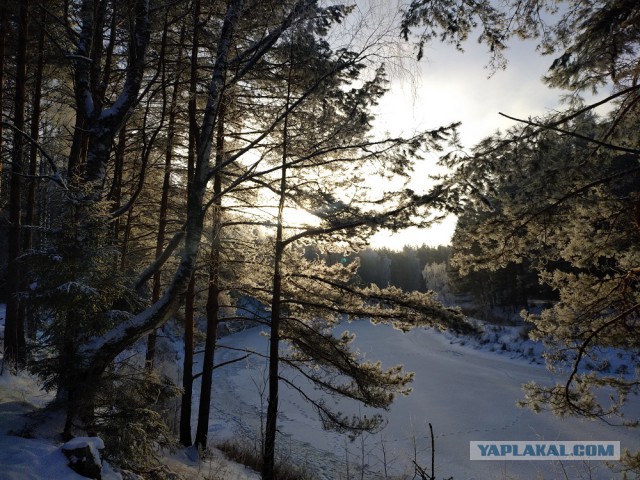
x: 41, y: 458
x: 465, y: 393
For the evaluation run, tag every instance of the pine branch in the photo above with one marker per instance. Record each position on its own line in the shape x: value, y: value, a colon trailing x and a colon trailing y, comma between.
x: 554, y: 128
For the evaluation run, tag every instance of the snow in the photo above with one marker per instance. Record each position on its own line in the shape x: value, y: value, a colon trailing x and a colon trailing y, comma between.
x: 41, y: 458
x: 465, y: 393
x: 465, y: 390
x: 26, y: 459
x: 95, y: 444
x: 32, y: 458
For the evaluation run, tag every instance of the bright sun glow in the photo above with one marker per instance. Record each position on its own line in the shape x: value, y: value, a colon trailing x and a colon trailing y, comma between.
x: 299, y: 218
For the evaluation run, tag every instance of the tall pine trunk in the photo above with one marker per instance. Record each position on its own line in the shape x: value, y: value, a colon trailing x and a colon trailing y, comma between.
x: 115, y: 192
x: 166, y: 184
x: 187, y: 376
x: 276, y: 307
x: 29, y: 218
x: 14, y: 341
x: 213, y: 295
x: 187, y: 366
x: 4, y: 25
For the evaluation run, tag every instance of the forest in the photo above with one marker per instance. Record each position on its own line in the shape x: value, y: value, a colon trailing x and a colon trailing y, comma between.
x: 187, y: 169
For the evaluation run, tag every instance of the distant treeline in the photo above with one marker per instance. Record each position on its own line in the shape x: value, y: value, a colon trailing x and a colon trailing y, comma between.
x: 482, y: 293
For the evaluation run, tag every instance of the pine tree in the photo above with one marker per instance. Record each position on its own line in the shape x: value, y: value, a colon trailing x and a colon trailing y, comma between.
x: 289, y: 113
x: 560, y: 192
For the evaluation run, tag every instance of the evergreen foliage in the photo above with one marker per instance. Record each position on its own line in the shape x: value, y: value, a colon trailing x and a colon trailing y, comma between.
x: 74, y: 289
x: 573, y: 220
x: 159, y: 130
x: 131, y: 409
x: 559, y: 193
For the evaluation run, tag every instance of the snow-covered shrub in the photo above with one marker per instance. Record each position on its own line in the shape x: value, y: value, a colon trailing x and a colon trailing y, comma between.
x: 130, y: 411
x: 76, y: 294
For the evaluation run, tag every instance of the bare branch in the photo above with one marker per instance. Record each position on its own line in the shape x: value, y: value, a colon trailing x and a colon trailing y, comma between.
x: 56, y: 177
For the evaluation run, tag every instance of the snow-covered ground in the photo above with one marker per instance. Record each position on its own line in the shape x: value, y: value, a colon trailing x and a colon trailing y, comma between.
x: 41, y: 458
x: 31, y: 449
x: 466, y: 393
x: 465, y: 390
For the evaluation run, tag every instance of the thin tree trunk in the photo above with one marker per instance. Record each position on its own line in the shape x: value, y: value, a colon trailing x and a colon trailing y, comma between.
x: 35, y: 135
x: 164, y: 200
x: 213, y: 299
x: 187, y: 377
x: 276, y: 306
x: 14, y: 341
x: 189, y: 309
x: 115, y: 193
x: 4, y: 25
x: 274, y: 343
x: 29, y: 218
x: 126, y: 235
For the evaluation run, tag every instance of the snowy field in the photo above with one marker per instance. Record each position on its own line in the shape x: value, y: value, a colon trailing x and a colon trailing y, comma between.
x: 466, y: 393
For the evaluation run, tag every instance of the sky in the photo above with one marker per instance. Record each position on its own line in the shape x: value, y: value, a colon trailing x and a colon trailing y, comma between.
x: 454, y: 86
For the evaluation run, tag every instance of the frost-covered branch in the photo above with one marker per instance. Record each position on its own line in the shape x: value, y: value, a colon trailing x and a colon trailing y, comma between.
x: 553, y: 126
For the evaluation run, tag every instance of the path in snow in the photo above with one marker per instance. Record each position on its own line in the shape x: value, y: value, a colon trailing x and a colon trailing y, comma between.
x: 464, y: 393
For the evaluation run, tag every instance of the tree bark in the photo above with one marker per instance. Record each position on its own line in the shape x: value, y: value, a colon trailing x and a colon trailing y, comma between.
x: 213, y: 296
x: 276, y: 306
x: 14, y: 341
x: 166, y: 184
x: 115, y: 193
x: 187, y: 378
x: 35, y: 135
x: 4, y: 25
x: 187, y: 367
x: 29, y: 218
x: 103, y: 125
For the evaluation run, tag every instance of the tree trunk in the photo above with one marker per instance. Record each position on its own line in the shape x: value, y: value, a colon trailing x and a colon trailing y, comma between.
x: 35, y: 135
x: 213, y: 308
x: 79, y: 145
x: 185, y: 406
x: 213, y: 298
x: 101, y: 125
x: 187, y: 375
x: 115, y: 193
x: 14, y: 341
x: 4, y: 25
x: 29, y: 218
x: 276, y: 305
x: 274, y: 343
x: 166, y: 185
